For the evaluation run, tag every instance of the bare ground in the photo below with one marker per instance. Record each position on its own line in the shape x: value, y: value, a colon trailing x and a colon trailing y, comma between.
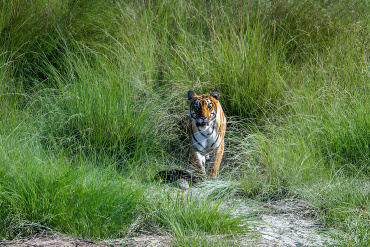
x: 289, y: 223
x: 279, y: 223
x: 64, y: 241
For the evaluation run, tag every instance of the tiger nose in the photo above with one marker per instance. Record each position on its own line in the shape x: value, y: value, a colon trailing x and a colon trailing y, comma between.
x: 203, y: 117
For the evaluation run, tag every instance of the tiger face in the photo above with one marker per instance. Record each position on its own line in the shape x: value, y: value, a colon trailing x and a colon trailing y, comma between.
x: 202, y: 108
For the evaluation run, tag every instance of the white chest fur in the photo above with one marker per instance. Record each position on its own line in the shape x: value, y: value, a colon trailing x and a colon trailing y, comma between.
x: 204, y: 137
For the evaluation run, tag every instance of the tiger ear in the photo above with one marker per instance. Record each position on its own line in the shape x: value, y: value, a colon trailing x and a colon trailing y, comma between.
x: 191, y: 94
x: 215, y: 95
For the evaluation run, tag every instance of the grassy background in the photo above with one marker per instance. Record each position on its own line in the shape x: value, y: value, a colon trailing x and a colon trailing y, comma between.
x: 93, y: 103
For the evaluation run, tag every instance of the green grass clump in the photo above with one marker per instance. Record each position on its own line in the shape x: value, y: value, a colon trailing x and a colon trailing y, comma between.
x: 191, y: 215
x: 39, y: 192
x: 344, y: 203
x: 34, y: 33
x: 96, y: 111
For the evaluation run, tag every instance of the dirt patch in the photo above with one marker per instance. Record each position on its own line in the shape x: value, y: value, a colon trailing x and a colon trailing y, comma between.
x: 64, y: 241
x: 288, y: 223
x: 280, y: 223
x: 49, y: 240
x: 143, y: 241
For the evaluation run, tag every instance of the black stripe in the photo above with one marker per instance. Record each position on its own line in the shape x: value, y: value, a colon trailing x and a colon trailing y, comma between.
x: 216, y: 140
x: 213, y: 129
x: 191, y: 129
x: 201, y: 132
x: 190, y: 109
x: 196, y: 139
x: 192, y: 136
x: 198, y: 142
x: 214, y: 116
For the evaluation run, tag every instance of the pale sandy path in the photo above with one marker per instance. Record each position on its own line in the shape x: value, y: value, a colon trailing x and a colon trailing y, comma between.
x: 281, y: 223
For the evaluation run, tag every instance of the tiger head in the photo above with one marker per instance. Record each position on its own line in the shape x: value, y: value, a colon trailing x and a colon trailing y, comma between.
x: 203, y: 108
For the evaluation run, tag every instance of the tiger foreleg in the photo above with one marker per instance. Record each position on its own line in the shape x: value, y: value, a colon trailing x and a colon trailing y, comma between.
x: 216, y: 160
x: 199, y: 160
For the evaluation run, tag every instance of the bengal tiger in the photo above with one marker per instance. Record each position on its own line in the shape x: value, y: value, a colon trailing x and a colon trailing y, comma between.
x: 206, y: 131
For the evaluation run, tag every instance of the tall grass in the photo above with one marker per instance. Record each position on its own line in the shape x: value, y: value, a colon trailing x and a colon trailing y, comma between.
x: 191, y: 216
x: 102, y: 85
x: 39, y: 192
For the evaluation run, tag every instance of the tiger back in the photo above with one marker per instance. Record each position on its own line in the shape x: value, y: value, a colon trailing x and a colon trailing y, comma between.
x: 206, y: 131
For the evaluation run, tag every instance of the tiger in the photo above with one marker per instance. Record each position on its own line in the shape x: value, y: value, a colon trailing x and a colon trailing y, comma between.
x: 206, y: 132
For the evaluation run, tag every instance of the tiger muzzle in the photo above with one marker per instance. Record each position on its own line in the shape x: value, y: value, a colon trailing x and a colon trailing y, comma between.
x: 202, y: 121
